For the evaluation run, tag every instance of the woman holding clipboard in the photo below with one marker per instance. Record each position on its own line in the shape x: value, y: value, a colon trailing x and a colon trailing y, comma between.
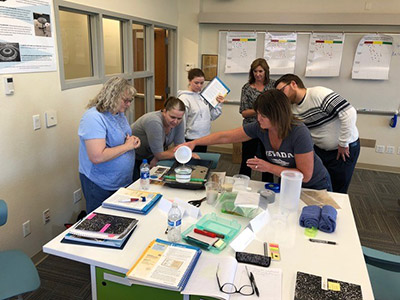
x: 259, y: 82
x: 199, y: 113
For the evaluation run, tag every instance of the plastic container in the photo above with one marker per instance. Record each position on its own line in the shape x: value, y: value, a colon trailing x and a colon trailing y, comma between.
x: 267, y: 195
x: 144, y: 175
x: 183, y: 154
x: 211, y: 192
x: 174, y: 223
x: 290, y: 191
x: 241, y: 182
x: 183, y: 174
x: 227, y: 186
x: 211, y: 222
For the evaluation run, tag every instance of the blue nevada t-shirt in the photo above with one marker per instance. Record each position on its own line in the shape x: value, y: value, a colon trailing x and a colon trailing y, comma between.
x: 298, y: 141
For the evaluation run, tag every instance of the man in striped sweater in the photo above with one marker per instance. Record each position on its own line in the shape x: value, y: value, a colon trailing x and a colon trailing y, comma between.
x: 332, y: 123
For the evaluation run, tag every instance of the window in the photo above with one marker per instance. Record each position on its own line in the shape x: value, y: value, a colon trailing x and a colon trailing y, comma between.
x: 96, y: 44
x: 76, y: 44
x: 112, y: 41
x: 139, y: 43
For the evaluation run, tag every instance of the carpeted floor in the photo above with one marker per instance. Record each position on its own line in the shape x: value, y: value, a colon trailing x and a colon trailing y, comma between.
x: 375, y: 202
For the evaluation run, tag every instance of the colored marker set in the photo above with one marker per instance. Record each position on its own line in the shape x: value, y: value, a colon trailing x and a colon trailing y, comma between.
x: 206, y: 239
x: 211, y: 233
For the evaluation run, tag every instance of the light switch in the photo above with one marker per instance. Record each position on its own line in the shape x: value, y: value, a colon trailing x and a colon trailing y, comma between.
x: 51, y: 118
x: 36, y: 122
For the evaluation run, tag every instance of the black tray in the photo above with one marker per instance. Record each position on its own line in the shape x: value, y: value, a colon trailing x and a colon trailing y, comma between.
x: 190, y: 185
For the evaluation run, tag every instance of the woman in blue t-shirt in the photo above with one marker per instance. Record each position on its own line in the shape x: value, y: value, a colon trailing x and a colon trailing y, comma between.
x: 106, y: 149
x: 287, y: 141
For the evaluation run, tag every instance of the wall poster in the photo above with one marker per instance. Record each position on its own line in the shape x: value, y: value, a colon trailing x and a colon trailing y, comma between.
x: 26, y: 36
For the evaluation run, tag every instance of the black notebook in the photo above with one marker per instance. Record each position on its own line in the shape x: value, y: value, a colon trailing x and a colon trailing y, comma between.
x: 104, y: 226
x: 310, y: 287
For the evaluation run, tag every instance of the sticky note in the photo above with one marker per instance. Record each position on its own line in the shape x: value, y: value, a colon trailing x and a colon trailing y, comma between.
x: 334, y: 286
x: 274, y: 249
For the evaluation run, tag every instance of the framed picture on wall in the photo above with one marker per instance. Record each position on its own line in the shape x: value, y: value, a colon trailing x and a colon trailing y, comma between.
x: 209, y: 65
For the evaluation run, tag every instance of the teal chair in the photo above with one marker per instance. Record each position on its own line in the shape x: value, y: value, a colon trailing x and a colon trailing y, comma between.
x: 18, y: 274
x: 214, y: 157
x: 384, y: 273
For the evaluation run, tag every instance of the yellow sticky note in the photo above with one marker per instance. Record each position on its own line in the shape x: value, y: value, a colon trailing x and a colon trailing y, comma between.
x: 334, y: 286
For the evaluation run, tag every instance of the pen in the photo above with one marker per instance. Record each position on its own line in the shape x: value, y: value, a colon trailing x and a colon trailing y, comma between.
x: 255, y: 285
x: 128, y: 200
x: 322, y: 241
x: 253, y: 281
x: 265, y: 249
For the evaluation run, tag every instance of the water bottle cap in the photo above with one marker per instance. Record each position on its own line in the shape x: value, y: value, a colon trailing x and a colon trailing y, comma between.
x: 145, y: 161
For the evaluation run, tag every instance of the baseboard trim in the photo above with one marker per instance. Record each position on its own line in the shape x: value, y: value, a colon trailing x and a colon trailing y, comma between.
x: 363, y: 166
x: 373, y: 167
x: 39, y: 257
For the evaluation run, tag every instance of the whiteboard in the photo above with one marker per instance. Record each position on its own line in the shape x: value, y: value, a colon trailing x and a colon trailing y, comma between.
x: 375, y: 95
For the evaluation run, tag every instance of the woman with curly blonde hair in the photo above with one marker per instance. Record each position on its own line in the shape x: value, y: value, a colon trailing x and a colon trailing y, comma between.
x: 106, y: 150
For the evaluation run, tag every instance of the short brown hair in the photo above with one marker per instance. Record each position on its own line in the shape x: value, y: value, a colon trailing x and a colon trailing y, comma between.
x: 259, y: 62
x: 288, y: 78
x: 174, y: 103
x: 195, y: 73
x: 274, y: 105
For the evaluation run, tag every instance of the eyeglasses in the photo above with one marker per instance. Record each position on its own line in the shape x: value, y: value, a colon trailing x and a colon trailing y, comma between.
x: 282, y: 88
x: 127, y: 101
x: 230, y: 288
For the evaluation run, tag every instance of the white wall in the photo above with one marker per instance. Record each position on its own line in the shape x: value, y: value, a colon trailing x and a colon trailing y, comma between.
x: 370, y: 126
x: 39, y: 169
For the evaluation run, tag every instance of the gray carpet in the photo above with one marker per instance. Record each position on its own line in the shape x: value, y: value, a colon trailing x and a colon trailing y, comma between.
x: 375, y: 202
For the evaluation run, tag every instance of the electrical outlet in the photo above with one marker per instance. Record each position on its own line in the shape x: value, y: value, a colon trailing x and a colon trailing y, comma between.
x: 46, y: 216
x: 77, y: 195
x: 390, y: 149
x: 36, y: 122
x: 26, y: 228
x: 380, y: 148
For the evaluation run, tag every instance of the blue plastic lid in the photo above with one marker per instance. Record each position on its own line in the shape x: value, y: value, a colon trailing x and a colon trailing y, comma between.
x: 275, y: 187
x: 145, y: 161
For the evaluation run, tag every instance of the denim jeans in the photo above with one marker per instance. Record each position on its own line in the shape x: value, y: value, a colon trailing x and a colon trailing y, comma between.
x: 94, y: 194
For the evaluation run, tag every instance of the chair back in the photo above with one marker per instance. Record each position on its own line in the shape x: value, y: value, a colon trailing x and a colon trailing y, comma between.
x: 384, y: 273
x: 3, y: 212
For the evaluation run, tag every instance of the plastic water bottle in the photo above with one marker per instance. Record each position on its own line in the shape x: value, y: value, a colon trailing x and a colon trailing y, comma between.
x: 174, y: 223
x: 144, y: 175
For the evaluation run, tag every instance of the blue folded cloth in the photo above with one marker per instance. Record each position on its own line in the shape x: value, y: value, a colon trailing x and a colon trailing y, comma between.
x: 327, y: 223
x: 310, y: 216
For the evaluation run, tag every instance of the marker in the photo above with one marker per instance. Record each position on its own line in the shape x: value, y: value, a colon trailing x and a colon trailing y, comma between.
x: 322, y: 241
x: 191, y: 179
x: 265, y: 249
x: 221, y: 236
x: 206, y: 233
x: 128, y: 200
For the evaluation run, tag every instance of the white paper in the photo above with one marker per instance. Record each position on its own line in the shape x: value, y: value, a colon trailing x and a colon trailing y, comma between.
x: 324, y: 54
x: 240, y: 51
x: 165, y: 205
x: 191, y: 210
x: 247, y: 199
x: 243, y: 240
x: 214, y: 89
x: 268, y: 281
x: 260, y: 221
x: 26, y: 37
x: 280, y: 52
x: 373, y: 56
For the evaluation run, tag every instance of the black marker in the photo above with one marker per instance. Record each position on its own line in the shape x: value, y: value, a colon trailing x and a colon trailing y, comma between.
x: 322, y: 241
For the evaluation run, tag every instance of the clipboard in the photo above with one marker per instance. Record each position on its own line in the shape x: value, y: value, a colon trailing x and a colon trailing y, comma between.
x: 214, y: 88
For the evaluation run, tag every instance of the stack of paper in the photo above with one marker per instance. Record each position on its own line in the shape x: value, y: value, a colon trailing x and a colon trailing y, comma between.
x: 102, y: 230
x: 140, y: 202
x: 166, y: 265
